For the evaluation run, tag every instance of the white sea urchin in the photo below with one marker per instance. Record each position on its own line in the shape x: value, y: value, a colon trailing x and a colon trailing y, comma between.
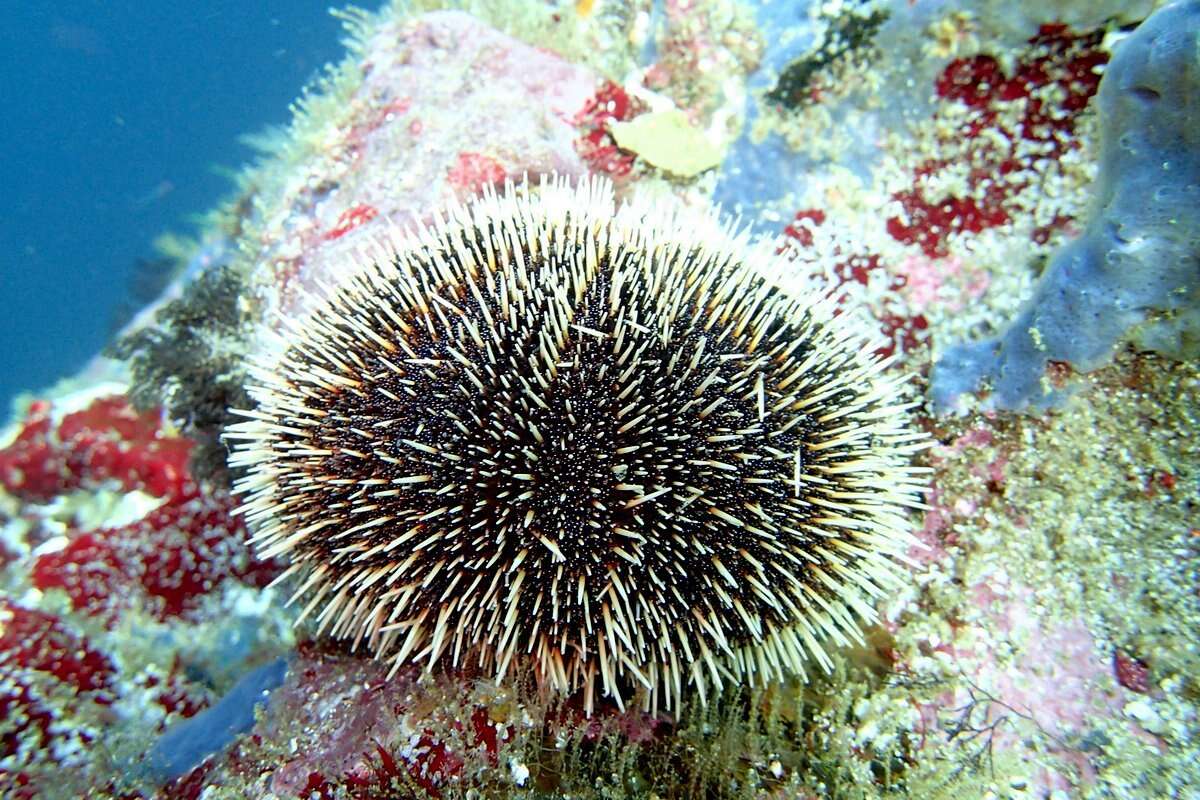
x: 598, y: 436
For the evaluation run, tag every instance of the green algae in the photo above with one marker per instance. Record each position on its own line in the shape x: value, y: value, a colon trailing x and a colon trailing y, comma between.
x: 844, y: 35
x: 667, y: 140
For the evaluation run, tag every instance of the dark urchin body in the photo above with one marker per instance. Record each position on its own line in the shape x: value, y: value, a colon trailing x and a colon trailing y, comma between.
x: 592, y: 436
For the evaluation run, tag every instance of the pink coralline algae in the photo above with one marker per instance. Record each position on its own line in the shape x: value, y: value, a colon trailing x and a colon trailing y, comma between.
x: 1016, y: 660
x: 108, y: 441
x: 361, y: 755
x: 55, y: 682
x: 165, y: 561
x: 46, y: 671
x: 1035, y: 104
x: 446, y: 105
x: 350, y: 219
x: 473, y: 171
x: 903, y: 331
x: 596, y: 145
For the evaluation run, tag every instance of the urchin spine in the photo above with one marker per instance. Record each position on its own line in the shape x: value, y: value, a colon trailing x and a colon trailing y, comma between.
x: 597, y: 436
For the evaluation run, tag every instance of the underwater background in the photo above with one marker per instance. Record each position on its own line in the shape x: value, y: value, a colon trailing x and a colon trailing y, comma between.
x: 1004, y: 195
x: 121, y: 123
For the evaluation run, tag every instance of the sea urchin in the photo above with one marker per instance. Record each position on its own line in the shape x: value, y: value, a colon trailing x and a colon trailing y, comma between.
x: 598, y: 438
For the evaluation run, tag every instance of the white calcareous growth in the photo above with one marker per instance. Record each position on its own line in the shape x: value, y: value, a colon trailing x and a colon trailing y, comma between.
x: 599, y: 438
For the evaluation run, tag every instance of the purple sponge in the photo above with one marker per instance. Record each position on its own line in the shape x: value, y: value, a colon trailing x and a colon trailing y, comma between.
x: 1134, y: 274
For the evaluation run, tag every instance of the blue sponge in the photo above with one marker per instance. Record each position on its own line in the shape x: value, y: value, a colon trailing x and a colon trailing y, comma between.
x: 189, y: 742
x: 1135, y: 271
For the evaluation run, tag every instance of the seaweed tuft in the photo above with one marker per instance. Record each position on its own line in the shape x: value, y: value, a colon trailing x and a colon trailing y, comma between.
x: 852, y: 31
x: 190, y: 362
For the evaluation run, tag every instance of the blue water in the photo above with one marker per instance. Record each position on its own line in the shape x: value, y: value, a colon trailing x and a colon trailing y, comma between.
x: 115, y: 114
